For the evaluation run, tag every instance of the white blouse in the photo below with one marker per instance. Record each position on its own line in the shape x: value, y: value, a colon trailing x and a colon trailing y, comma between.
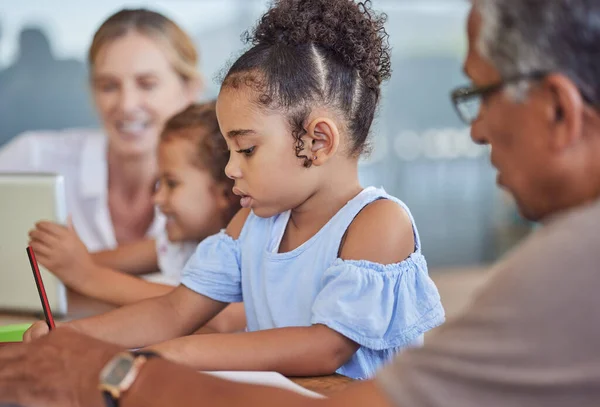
x: 80, y: 156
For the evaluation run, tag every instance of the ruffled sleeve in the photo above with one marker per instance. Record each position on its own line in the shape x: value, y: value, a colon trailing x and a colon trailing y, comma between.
x: 214, y: 269
x: 379, y: 306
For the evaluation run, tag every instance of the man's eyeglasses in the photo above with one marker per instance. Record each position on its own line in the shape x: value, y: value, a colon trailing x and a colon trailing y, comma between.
x: 467, y: 99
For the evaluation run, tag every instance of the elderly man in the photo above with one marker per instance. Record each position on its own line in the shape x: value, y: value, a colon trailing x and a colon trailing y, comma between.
x: 531, y: 338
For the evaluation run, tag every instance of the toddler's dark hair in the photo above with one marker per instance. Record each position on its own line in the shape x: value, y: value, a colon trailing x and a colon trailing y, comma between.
x: 198, y: 124
x: 310, y: 52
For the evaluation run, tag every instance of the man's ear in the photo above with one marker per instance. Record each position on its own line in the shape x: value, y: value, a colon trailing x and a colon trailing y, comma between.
x: 566, y: 111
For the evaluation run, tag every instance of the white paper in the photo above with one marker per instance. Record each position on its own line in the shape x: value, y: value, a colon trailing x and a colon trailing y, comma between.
x: 272, y: 379
x: 160, y: 278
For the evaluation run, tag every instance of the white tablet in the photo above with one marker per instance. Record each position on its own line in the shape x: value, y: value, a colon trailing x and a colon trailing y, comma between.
x: 24, y: 200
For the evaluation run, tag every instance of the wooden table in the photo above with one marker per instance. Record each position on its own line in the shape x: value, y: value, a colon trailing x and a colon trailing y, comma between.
x: 326, y: 385
x: 81, y: 307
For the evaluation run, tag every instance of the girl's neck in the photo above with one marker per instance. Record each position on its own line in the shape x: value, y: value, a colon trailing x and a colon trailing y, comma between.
x: 131, y: 177
x: 327, y: 200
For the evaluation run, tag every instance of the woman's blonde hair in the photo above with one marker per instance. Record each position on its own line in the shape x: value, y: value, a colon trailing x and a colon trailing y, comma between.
x: 178, y: 45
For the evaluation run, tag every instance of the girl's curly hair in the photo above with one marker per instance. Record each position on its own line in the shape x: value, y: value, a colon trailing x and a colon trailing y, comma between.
x: 308, y: 52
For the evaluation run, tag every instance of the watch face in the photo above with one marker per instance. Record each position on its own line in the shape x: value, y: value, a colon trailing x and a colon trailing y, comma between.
x: 118, y: 372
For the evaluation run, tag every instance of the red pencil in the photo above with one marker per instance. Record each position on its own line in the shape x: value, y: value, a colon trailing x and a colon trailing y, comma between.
x: 40, y: 287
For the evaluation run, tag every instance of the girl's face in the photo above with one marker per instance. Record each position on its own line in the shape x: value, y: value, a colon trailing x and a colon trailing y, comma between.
x: 269, y: 178
x: 192, y: 201
x: 136, y: 90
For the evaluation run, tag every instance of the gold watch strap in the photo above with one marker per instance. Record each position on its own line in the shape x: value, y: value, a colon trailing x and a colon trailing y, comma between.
x: 115, y: 392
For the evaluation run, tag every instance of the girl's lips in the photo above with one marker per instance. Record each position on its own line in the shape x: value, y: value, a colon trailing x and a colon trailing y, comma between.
x: 246, y: 201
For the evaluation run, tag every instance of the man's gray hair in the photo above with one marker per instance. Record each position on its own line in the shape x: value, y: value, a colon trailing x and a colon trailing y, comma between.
x: 523, y: 36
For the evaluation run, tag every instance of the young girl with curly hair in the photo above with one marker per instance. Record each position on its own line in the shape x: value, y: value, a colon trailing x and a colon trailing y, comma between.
x: 331, y: 273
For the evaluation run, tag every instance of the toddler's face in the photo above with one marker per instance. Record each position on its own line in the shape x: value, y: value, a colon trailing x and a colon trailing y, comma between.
x: 189, y: 197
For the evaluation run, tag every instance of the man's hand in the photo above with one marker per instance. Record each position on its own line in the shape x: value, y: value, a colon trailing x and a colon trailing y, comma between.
x: 60, y: 369
x: 59, y: 249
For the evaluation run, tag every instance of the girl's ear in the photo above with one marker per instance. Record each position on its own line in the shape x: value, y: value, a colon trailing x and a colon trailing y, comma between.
x: 322, y: 140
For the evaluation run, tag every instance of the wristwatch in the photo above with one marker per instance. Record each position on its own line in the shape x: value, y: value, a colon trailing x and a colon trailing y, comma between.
x: 119, y: 374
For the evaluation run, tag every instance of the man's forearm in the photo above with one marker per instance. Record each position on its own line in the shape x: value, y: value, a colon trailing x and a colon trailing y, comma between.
x: 30, y: 375
x: 166, y: 384
x: 162, y: 383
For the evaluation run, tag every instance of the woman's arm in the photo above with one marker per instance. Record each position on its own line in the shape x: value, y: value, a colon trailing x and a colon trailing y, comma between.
x: 133, y: 258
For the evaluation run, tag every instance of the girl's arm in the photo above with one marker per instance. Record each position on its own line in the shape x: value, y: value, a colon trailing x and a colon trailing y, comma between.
x: 180, y: 312
x: 303, y: 351
x: 297, y: 351
x: 117, y: 288
x: 133, y: 258
x: 231, y: 319
x: 59, y: 249
x: 123, y: 289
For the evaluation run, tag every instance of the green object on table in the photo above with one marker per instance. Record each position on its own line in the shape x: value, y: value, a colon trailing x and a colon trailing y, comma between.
x: 13, y: 333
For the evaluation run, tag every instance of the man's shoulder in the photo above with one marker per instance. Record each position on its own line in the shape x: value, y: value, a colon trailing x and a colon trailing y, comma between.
x: 557, y: 267
x: 569, y: 236
x: 530, y: 335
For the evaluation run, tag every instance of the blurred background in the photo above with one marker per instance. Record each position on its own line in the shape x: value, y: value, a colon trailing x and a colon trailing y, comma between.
x: 421, y: 151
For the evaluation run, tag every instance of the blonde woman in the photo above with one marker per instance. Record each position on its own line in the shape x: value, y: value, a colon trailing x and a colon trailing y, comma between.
x: 142, y: 72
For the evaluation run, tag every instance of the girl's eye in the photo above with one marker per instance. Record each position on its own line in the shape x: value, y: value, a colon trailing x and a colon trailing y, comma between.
x: 247, y: 152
